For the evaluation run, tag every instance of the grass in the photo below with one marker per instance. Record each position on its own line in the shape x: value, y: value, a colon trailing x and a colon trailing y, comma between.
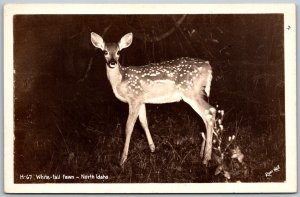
x: 86, y: 136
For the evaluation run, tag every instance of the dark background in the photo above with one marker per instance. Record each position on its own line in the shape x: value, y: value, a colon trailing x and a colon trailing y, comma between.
x: 67, y: 120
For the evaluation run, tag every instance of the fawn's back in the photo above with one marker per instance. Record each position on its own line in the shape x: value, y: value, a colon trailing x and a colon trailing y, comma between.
x: 166, y: 81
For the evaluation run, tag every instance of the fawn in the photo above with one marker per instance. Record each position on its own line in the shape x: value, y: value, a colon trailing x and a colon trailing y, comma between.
x: 187, y: 79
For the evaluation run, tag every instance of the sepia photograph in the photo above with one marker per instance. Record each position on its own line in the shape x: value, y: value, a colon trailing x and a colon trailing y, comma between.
x: 150, y: 98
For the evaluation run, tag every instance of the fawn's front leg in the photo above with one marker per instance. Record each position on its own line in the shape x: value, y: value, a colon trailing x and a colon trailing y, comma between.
x: 132, y: 116
x: 144, y: 123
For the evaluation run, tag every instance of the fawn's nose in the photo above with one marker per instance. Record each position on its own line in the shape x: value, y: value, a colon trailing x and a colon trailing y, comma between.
x: 112, y: 63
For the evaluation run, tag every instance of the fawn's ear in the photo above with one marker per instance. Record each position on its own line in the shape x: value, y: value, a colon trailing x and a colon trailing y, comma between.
x: 125, y: 41
x: 97, y: 41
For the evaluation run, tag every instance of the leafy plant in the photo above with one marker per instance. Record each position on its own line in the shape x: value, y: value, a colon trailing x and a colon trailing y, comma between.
x: 227, y: 153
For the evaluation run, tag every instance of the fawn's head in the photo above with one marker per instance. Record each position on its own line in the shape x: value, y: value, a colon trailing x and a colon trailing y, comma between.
x: 111, y: 50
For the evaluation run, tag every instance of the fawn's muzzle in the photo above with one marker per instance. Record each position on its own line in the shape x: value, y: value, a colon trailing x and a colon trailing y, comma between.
x: 112, y: 63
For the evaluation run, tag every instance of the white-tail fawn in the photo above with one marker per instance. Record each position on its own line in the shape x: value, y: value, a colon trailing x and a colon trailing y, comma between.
x: 187, y: 79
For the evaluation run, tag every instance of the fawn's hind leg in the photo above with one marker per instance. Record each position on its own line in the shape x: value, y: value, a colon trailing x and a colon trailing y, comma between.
x: 207, y: 113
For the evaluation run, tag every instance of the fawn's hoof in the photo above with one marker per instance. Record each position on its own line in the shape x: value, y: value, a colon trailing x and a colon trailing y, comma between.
x: 152, y: 147
x: 123, y: 159
x: 206, y: 159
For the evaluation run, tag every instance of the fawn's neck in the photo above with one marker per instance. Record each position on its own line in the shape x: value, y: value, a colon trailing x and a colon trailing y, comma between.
x: 114, y: 75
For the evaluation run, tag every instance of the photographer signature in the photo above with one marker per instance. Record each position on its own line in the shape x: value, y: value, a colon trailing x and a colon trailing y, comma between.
x: 275, y: 169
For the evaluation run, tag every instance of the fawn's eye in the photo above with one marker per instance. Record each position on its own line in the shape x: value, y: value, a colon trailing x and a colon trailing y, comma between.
x: 118, y: 53
x: 105, y: 52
